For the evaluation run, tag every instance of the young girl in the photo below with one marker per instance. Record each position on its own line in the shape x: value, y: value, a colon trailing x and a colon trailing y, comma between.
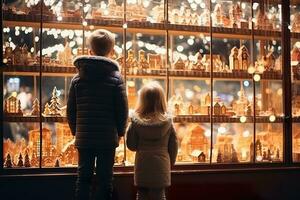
x: 151, y: 134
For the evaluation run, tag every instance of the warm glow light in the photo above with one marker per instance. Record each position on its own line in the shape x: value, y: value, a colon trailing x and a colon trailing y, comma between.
x: 222, y: 130
x: 251, y: 70
x: 84, y: 23
x: 246, y: 83
x: 179, y: 48
x: 261, y: 68
x: 272, y: 118
x: 243, y: 119
x: 125, y: 26
x: 259, y: 158
x: 246, y: 133
x: 207, y: 133
x: 256, y: 77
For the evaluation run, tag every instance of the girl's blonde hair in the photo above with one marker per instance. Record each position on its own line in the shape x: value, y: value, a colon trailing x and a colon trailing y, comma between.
x: 151, y: 102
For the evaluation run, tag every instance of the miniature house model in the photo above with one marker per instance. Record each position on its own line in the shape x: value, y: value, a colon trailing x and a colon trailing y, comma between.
x: 244, y: 59
x: 194, y: 140
x: 12, y: 106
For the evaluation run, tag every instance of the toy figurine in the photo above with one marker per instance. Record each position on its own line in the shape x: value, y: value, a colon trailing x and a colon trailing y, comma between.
x: 155, y: 61
x: 131, y: 62
x: 143, y: 63
x: 233, y: 59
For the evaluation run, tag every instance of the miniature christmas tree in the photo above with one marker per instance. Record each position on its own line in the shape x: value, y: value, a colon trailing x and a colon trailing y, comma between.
x: 219, y: 157
x: 54, y: 105
x: 35, y: 108
x: 27, y: 162
x: 8, y: 162
x: 56, y: 163
x: 46, y: 110
x: 20, y: 162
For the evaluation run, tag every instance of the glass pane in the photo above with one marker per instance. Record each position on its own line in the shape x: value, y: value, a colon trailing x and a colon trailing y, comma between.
x: 267, y: 16
x: 21, y: 145
x: 231, y: 14
x: 194, y: 143
x: 58, y: 149
x: 296, y: 142
x: 151, y: 11
x: 269, y: 142
x: 232, y: 143
x: 295, y: 65
x: 185, y: 12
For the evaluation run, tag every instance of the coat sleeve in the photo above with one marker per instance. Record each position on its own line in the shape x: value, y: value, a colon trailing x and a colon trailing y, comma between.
x: 121, y: 107
x: 173, y: 145
x: 71, y: 107
x: 131, y: 138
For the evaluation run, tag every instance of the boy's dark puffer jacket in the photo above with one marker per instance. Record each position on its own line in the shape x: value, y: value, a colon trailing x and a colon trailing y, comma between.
x: 97, y: 107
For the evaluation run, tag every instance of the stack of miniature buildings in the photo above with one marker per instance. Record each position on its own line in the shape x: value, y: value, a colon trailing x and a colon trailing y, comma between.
x: 154, y: 62
x: 63, y: 153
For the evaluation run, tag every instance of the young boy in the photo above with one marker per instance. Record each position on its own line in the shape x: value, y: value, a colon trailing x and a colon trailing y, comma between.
x: 97, y: 111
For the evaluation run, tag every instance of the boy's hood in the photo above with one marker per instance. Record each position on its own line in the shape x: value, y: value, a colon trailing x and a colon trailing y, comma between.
x: 95, y: 66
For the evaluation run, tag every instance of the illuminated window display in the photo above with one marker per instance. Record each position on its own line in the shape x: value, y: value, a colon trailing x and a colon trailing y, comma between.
x: 219, y: 62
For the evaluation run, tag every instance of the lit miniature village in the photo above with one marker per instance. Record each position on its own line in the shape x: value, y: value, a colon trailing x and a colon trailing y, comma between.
x: 230, y: 144
x: 223, y: 15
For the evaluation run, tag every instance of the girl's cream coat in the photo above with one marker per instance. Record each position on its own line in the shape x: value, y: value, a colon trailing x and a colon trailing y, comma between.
x: 156, y: 148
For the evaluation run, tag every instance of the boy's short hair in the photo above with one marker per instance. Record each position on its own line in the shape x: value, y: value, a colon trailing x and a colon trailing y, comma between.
x: 101, y: 42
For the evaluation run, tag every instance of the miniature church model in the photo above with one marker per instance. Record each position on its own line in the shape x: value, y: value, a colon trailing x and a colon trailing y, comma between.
x: 241, y: 104
x: 244, y: 59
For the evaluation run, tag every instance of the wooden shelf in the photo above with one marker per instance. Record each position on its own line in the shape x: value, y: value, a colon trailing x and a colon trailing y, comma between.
x: 222, y: 119
x: 177, y: 119
x: 152, y: 73
x: 296, y: 119
x: 33, y: 119
x: 12, y: 20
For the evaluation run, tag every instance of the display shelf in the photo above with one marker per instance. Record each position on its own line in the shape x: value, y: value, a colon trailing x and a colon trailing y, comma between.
x: 296, y: 119
x: 177, y: 119
x: 180, y: 74
x: 223, y: 119
x: 144, y: 27
x: 33, y: 119
x: 148, y: 72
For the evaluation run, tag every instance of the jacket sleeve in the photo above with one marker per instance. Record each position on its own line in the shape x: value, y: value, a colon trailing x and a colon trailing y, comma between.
x: 173, y: 145
x: 71, y: 108
x: 121, y: 108
x: 131, y: 138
